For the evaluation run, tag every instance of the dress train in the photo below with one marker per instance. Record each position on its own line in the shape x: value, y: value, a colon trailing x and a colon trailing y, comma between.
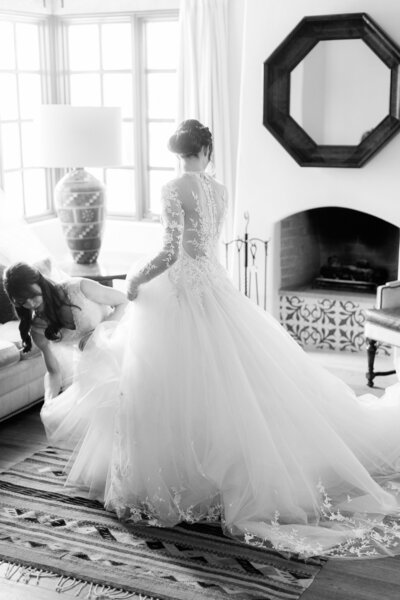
x: 199, y: 405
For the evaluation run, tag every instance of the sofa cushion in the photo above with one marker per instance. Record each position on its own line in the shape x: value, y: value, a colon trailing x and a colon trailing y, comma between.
x: 9, y: 332
x: 7, y: 312
x: 21, y: 385
x: 9, y: 354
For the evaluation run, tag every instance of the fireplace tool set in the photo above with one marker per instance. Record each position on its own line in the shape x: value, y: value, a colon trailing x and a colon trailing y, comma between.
x: 251, y: 259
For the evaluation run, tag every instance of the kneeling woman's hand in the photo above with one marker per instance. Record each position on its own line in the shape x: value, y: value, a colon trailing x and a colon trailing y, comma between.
x: 84, y: 339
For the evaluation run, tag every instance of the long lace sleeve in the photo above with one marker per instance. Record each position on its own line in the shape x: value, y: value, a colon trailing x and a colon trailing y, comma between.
x: 172, y: 220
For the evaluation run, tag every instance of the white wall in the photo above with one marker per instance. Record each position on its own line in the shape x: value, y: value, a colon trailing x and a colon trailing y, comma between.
x: 270, y: 184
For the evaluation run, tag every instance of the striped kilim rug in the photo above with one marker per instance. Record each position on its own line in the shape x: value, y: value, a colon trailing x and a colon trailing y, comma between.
x: 45, y: 532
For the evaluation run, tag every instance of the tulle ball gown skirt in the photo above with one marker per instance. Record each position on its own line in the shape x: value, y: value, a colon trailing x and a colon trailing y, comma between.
x: 198, y: 405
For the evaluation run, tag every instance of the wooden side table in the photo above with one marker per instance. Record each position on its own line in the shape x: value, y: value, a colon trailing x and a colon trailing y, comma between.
x: 105, y: 270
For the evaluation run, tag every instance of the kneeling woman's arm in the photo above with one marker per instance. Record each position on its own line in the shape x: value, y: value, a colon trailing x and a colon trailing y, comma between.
x: 53, y: 377
x: 102, y: 294
x: 106, y: 295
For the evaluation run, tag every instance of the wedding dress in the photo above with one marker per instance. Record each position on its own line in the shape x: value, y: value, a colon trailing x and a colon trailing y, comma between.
x: 199, y: 405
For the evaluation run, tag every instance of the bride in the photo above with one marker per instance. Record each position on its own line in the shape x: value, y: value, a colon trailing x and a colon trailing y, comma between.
x: 199, y: 405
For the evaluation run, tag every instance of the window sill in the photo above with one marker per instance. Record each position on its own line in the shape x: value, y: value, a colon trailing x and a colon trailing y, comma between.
x: 133, y: 237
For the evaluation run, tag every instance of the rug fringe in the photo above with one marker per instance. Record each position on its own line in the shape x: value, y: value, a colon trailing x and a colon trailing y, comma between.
x: 24, y: 574
x: 86, y: 590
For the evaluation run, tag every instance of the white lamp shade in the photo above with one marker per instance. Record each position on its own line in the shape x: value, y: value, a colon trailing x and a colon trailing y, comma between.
x: 79, y: 136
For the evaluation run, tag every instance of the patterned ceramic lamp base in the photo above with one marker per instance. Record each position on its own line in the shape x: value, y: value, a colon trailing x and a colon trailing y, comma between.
x: 80, y: 200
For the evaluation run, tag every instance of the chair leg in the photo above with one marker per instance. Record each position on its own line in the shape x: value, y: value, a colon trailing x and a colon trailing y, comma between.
x: 371, y: 352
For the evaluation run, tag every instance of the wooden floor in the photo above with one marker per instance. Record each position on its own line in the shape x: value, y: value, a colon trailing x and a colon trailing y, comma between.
x: 377, y: 579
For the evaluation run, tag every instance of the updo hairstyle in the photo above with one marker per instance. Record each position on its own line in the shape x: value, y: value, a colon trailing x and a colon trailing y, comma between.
x: 189, y: 139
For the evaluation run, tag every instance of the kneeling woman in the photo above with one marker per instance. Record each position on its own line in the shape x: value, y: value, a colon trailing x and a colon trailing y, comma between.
x: 65, y: 312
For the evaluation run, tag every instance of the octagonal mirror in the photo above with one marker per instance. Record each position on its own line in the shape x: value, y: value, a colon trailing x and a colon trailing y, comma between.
x: 329, y: 87
x: 331, y: 91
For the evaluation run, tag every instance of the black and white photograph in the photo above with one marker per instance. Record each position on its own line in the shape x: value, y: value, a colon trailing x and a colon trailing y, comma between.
x: 199, y: 300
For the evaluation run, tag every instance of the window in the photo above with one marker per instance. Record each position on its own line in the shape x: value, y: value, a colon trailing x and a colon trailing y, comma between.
x: 130, y: 62
x: 105, y: 60
x: 23, y: 87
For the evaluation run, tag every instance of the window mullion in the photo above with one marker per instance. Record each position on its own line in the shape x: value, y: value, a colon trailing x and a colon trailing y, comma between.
x: 61, y: 88
x: 51, y: 64
x: 47, y: 79
x: 19, y: 120
x: 101, y: 65
x: 140, y: 141
x: 1, y: 159
x: 101, y: 74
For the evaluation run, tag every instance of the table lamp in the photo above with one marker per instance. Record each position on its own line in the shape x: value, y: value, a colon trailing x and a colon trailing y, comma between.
x: 75, y: 137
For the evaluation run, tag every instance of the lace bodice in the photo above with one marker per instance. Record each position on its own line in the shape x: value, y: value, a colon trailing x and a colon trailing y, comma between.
x: 193, y: 211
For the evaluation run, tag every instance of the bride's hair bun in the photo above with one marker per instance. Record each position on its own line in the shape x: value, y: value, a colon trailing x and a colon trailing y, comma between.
x: 190, y: 137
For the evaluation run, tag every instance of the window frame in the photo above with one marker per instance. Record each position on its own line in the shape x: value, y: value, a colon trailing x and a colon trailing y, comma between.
x: 46, y: 78
x: 140, y: 120
x: 147, y: 120
x: 54, y: 71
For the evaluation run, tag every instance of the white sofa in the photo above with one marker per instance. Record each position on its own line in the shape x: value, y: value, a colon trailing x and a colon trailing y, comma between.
x: 21, y: 379
x: 21, y: 374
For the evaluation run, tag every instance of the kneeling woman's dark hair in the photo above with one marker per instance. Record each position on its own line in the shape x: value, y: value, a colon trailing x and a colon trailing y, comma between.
x: 190, y: 137
x: 18, y: 280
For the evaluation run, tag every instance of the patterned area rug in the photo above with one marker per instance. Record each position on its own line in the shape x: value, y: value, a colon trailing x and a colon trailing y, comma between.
x: 45, y: 532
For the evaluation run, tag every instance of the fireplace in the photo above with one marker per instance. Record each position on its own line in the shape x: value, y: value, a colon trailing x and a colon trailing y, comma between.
x: 311, y: 238
x: 331, y: 261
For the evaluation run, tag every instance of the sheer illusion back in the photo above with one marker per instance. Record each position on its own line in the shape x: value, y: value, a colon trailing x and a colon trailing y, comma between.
x: 193, y: 211
x: 203, y: 201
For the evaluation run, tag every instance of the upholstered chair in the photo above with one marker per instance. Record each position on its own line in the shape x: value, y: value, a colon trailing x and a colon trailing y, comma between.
x: 382, y: 325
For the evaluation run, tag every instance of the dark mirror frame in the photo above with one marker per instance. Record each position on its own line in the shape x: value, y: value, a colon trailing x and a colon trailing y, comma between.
x: 293, y: 49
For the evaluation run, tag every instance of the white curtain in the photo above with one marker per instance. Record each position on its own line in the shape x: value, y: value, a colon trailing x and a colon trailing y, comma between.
x: 203, y: 82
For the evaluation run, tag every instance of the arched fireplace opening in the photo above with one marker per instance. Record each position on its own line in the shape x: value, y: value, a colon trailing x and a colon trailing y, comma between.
x: 331, y: 261
x: 338, y: 248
